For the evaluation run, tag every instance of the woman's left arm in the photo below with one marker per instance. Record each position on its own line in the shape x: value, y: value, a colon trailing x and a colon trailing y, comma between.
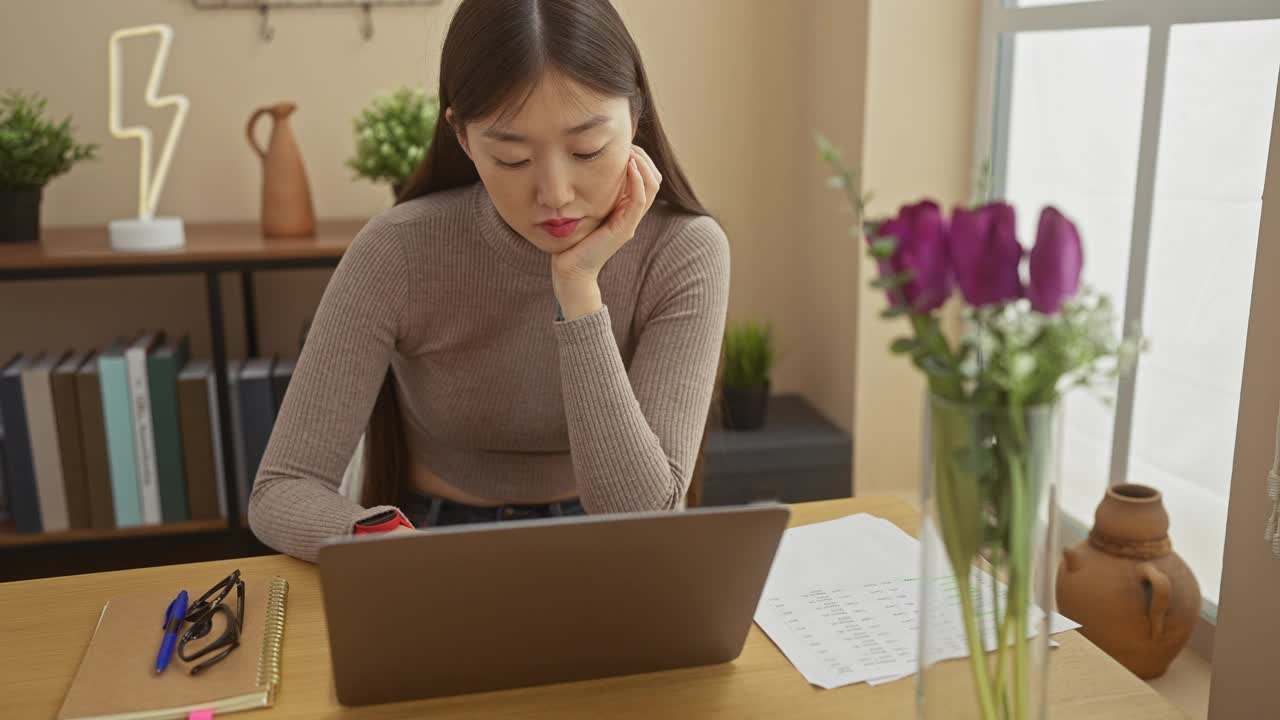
x: 635, y: 436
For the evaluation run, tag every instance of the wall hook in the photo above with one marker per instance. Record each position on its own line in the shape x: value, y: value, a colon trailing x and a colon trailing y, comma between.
x: 266, y: 31
x: 366, y: 21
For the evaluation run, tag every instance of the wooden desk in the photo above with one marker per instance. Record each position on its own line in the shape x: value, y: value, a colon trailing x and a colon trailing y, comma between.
x: 46, y: 625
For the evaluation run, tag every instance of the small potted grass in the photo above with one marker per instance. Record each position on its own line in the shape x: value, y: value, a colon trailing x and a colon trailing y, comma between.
x: 749, y: 356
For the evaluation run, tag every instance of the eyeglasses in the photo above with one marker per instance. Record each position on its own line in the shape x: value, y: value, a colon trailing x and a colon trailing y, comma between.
x: 201, y: 613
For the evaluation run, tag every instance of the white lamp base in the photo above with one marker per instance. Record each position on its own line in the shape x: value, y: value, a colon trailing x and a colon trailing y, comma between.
x: 161, y: 233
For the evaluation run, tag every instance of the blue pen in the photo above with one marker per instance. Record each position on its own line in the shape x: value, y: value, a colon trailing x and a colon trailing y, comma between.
x: 173, y: 617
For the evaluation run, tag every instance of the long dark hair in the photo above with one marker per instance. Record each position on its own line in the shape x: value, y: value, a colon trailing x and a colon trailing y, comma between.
x: 495, y: 52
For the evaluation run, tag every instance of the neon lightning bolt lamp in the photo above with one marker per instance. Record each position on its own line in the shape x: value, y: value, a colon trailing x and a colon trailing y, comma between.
x: 147, y: 232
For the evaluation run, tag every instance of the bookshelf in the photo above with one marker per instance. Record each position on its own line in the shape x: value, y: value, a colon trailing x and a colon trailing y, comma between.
x: 212, y: 250
x: 10, y: 538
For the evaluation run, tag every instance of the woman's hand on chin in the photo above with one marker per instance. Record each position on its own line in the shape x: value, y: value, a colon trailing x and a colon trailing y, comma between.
x: 575, y: 271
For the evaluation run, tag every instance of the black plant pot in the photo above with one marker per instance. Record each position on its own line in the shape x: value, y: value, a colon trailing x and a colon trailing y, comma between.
x: 745, y: 407
x: 20, y: 215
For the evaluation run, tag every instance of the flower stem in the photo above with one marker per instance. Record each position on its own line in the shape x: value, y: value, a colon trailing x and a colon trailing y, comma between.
x: 1019, y: 565
x: 977, y: 653
x: 1002, y: 633
x: 996, y: 617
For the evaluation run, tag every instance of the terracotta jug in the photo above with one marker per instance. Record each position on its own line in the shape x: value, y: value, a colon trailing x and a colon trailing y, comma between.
x: 1135, y: 598
x: 286, y: 197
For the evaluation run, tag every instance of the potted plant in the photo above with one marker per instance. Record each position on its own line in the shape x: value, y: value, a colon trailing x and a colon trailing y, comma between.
x: 33, y: 151
x: 749, y: 356
x: 392, y: 136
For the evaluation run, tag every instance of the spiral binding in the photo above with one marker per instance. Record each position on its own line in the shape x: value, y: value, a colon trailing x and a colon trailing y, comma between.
x: 273, y: 635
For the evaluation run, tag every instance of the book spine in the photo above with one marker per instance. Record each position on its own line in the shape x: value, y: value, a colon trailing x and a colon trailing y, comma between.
x: 198, y: 472
x: 242, y: 479
x: 118, y: 424
x: 46, y: 457
x: 220, y: 472
x: 259, y: 418
x: 66, y: 409
x: 165, y: 425
x: 97, y: 466
x: 143, y: 437
x: 19, y: 471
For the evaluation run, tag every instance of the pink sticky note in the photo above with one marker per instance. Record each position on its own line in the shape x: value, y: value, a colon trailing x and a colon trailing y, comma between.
x: 206, y: 714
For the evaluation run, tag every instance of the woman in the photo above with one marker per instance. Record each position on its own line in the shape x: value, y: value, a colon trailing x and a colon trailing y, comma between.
x: 542, y: 309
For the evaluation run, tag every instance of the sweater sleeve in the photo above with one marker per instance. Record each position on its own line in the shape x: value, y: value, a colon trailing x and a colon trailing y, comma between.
x: 295, y: 503
x: 634, y: 436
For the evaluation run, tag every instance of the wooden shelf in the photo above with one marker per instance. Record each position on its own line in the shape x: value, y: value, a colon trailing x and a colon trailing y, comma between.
x: 9, y: 537
x: 227, y: 242
x: 212, y: 250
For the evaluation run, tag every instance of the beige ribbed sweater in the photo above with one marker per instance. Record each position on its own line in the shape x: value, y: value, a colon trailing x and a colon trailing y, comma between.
x: 499, y: 399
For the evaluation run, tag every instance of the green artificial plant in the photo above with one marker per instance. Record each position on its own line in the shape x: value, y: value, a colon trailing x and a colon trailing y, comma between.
x: 393, y: 134
x: 750, y: 353
x: 33, y: 148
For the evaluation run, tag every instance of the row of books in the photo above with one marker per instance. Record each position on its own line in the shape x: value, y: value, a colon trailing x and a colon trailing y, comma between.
x: 128, y: 435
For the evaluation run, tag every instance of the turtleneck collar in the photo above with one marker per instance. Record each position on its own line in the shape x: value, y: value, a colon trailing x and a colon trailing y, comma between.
x: 510, y: 245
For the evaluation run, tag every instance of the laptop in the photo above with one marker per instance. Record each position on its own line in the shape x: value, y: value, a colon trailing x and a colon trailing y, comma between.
x: 469, y: 608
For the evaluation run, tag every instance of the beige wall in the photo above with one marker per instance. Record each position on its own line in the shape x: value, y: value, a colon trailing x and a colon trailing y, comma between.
x: 921, y: 60
x: 731, y: 80
x: 824, y: 310
x: 1248, y: 632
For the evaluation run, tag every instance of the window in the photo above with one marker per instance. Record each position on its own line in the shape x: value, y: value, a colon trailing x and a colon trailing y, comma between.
x: 1147, y: 122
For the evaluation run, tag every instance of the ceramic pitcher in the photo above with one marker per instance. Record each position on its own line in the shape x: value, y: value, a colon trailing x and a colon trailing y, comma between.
x: 287, y: 210
x: 1135, y: 598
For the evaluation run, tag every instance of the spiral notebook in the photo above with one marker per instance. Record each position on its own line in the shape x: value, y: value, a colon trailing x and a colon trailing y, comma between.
x: 117, y: 680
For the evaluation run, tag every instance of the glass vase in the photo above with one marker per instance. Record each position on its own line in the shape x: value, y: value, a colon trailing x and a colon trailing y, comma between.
x: 989, y: 552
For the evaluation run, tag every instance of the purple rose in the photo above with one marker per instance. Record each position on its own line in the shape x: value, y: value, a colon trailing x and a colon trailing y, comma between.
x: 985, y: 254
x: 921, y: 249
x: 1056, y: 261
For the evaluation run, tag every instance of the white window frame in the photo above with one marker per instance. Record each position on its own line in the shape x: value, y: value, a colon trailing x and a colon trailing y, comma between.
x: 996, y: 37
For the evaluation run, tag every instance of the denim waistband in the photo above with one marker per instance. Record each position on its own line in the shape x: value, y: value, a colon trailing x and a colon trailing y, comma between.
x: 424, y: 510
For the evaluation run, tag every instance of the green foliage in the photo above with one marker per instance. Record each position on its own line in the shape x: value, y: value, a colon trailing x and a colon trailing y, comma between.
x: 393, y: 134
x: 33, y: 149
x: 1010, y: 356
x: 1013, y: 356
x: 749, y: 354
x: 882, y: 248
x: 982, y: 190
x: 845, y: 179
